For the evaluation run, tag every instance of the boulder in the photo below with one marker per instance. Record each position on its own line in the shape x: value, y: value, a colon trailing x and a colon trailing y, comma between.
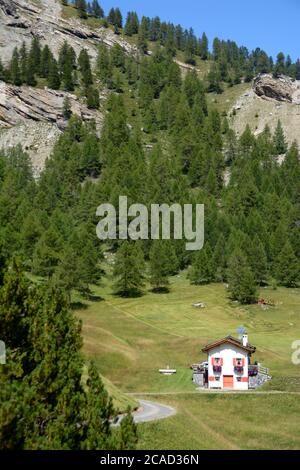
x: 279, y: 89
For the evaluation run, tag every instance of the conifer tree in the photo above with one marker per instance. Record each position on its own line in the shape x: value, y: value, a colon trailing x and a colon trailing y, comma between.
x: 2, y: 73
x: 82, y: 8
x: 53, y: 75
x: 203, y: 269
x: 279, y: 140
x: 104, y: 70
x: 204, y: 47
x: 280, y: 65
x: 128, y: 433
x: 242, y: 286
x: 97, y: 414
x: 85, y: 68
x: 14, y: 70
x: 287, y: 267
x: 257, y: 260
x: 46, y: 58
x: 97, y: 10
x: 159, y: 266
x: 67, y: 110
x: 23, y: 62
x: 129, y: 269
x: 132, y: 24
x: 214, y: 80
x: 35, y: 56
x: 92, y: 98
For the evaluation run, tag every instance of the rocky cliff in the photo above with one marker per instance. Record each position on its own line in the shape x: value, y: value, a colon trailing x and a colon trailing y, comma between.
x: 22, y: 20
x: 269, y: 100
x: 32, y: 116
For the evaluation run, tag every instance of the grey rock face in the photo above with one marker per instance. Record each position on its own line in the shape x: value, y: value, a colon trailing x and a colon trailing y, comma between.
x: 33, y: 117
x: 282, y: 88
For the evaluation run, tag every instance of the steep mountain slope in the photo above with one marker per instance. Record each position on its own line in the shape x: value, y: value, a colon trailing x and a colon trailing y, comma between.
x: 267, y: 101
x: 38, y: 112
x: 21, y: 20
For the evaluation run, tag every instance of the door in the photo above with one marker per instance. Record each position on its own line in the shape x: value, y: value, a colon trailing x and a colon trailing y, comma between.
x: 228, y: 381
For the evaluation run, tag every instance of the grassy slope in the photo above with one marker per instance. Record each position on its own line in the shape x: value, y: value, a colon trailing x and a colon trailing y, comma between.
x: 131, y: 339
x: 226, y: 422
x: 154, y: 331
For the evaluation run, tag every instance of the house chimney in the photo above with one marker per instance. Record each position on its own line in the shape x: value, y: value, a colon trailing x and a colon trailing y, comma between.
x: 245, y: 339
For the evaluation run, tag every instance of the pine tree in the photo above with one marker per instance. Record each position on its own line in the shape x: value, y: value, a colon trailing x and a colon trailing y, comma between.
x: 44, y: 403
x: 85, y: 68
x: 129, y: 270
x: 279, y: 140
x: 53, y: 75
x: 257, y: 260
x: 159, y: 266
x: 111, y: 16
x: 92, y: 98
x: 35, y: 56
x: 2, y: 72
x: 98, y: 412
x: 14, y: 70
x: 280, y: 65
x: 30, y: 71
x: 23, y: 62
x: 287, y: 267
x: 46, y: 254
x: 82, y: 8
x: 204, y: 47
x: 97, y: 10
x: 132, y: 24
x: 118, y: 20
x: 67, y: 110
x: 46, y: 58
x: 242, y: 285
x: 104, y: 69
x: 128, y: 433
x: 214, y: 80
x: 203, y: 268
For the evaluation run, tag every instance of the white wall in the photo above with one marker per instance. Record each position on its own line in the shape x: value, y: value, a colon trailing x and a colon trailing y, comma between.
x: 228, y: 352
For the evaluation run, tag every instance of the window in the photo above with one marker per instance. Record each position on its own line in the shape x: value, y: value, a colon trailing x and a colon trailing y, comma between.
x: 217, y: 379
x: 217, y: 361
x: 239, y: 379
x: 239, y: 362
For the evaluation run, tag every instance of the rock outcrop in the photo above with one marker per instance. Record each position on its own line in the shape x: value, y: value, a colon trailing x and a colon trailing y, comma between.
x: 282, y: 88
x: 33, y: 117
x: 270, y: 100
x: 22, y: 20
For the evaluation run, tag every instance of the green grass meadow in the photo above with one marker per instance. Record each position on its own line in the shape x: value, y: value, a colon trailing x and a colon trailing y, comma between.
x: 130, y: 339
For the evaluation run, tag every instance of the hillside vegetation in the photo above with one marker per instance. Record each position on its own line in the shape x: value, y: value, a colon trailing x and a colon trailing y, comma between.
x: 153, y: 118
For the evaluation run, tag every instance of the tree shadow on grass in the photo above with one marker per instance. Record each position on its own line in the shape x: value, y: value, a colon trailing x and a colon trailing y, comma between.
x: 131, y: 294
x: 160, y: 290
x: 78, y: 306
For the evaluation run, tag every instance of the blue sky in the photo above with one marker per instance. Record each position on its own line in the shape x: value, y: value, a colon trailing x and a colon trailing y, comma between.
x: 272, y: 25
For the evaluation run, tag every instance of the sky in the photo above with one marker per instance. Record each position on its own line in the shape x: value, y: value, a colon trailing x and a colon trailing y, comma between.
x: 271, y: 25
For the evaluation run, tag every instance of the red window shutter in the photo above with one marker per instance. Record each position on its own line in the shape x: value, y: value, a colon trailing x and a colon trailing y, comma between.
x: 213, y: 361
x: 243, y: 362
x: 221, y: 361
x: 234, y: 362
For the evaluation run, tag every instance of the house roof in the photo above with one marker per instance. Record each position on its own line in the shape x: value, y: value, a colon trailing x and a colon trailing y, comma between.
x: 231, y: 340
